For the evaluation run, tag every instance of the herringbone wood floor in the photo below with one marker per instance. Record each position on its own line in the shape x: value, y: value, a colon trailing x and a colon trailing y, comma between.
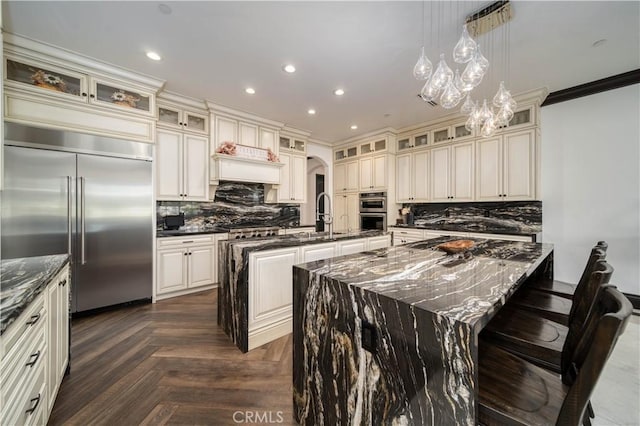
x: 170, y: 363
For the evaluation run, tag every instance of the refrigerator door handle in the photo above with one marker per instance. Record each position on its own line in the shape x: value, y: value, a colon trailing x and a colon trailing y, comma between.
x: 69, y: 224
x: 83, y: 260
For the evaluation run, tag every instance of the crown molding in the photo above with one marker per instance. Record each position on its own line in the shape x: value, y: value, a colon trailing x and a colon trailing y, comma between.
x: 591, y: 88
x: 385, y: 131
x: 295, y: 132
x: 63, y: 57
x: 177, y: 98
x: 234, y: 113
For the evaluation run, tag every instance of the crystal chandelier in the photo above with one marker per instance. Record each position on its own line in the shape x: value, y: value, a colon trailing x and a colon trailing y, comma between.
x: 452, y: 87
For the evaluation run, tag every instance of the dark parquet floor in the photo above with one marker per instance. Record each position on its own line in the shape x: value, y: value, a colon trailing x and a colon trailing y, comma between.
x: 169, y: 363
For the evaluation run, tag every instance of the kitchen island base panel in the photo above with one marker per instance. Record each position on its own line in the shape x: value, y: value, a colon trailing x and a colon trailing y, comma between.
x: 414, y: 374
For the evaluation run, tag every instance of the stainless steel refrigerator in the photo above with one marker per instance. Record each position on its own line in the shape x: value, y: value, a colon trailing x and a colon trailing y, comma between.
x: 84, y: 195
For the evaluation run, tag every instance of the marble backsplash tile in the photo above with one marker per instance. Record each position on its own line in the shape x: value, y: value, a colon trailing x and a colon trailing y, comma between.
x: 520, y: 217
x: 236, y: 204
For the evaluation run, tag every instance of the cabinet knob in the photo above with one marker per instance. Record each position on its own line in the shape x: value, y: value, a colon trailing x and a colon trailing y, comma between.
x: 84, y: 94
x: 63, y: 282
x: 92, y: 96
x: 186, y: 254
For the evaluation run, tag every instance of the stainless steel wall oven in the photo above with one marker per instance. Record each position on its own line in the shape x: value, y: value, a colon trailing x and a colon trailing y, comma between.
x: 373, y: 211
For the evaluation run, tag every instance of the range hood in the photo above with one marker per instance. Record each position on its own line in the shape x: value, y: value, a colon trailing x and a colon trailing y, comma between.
x: 224, y: 167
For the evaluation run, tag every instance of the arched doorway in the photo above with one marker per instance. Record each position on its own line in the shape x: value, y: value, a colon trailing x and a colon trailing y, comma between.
x: 316, y: 183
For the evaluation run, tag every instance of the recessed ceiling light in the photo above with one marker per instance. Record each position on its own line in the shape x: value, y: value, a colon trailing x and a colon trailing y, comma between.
x: 164, y: 9
x: 311, y: 111
x: 354, y: 127
x: 289, y: 68
x: 338, y: 92
x: 599, y: 42
x: 250, y: 90
x: 154, y: 56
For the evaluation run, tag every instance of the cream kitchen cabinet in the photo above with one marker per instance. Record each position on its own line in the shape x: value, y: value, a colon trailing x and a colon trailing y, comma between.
x: 346, y: 212
x: 172, y: 116
x: 352, y: 246
x: 58, y: 333
x: 35, y: 355
x: 406, y: 235
x: 45, y: 87
x: 370, y: 147
x: 293, y: 178
x: 345, y: 176
x: 449, y: 133
x: 345, y: 153
x: 412, y: 177
x: 383, y: 241
x: 181, y: 165
x: 373, y: 173
x: 186, y: 264
x: 239, y: 127
x: 418, y: 140
x: 268, y: 139
x: 505, y: 167
x: 292, y: 143
x: 452, y: 172
x: 314, y: 252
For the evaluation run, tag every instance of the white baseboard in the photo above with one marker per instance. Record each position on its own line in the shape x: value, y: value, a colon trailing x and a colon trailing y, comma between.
x: 185, y: 292
x: 269, y: 333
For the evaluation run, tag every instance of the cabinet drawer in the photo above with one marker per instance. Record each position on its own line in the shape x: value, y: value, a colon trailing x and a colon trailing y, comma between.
x: 27, y: 404
x: 409, y: 233
x: 24, y: 327
x: 173, y: 242
x: 19, y: 367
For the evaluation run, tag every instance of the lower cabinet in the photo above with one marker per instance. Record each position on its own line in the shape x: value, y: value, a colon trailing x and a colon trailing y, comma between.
x: 58, y: 333
x: 270, y: 277
x: 35, y: 350
x: 186, y: 264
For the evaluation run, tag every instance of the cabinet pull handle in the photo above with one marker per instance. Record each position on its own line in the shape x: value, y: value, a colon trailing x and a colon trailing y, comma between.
x: 186, y: 242
x: 34, y: 319
x: 33, y: 408
x: 33, y: 358
x: 63, y: 282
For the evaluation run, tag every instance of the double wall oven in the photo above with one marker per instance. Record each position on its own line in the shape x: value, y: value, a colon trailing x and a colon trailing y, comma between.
x: 373, y: 211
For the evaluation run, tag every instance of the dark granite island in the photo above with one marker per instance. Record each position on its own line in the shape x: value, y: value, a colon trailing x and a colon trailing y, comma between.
x: 255, y: 275
x: 391, y: 336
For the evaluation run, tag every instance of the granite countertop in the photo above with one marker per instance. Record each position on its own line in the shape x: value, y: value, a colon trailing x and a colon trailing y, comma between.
x: 481, y: 227
x: 282, y: 241
x: 426, y: 278
x: 22, y: 280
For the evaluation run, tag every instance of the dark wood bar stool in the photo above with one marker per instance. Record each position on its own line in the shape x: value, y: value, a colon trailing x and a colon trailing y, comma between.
x: 563, y: 289
x: 540, y: 340
x: 517, y: 392
x: 553, y: 307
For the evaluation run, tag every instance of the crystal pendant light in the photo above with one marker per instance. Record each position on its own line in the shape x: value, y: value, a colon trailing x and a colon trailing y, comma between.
x: 467, y: 106
x: 504, y: 115
x: 472, y: 74
x: 474, y: 118
x: 429, y: 92
x: 451, y: 96
x: 461, y: 85
x: 502, y: 96
x: 489, y: 127
x: 465, y: 49
x: 422, y: 69
x: 485, y: 112
x: 442, y: 75
x: 481, y: 60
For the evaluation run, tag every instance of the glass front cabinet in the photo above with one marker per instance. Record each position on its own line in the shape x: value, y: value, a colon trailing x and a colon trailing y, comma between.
x: 456, y: 132
x: 52, y: 80
x: 178, y: 118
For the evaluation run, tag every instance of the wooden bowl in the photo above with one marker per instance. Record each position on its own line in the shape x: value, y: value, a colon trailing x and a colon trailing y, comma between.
x: 456, y: 246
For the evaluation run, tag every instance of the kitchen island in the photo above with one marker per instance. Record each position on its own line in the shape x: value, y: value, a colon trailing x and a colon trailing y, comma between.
x: 391, y: 336
x: 255, y: 279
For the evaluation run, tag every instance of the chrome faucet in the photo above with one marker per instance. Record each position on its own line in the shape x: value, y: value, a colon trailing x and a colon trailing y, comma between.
x: 326, y: 218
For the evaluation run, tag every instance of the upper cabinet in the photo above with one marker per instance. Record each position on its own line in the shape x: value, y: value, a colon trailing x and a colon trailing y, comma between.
x: 373, y: 173
x: 182, y: 119
x: 452, y: 172
x: 345, y: 176
x: 371, y: 147
x: 506, y: 167
x: 418, y: 140
x: 242, y: 128
x: 54, y: 88
x: 454, y: 132
x: 345, y: 153
x: 182, y: 150
x: 293, y: 144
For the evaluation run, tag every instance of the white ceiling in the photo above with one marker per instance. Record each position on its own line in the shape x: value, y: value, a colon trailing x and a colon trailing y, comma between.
x: 213, y: 50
